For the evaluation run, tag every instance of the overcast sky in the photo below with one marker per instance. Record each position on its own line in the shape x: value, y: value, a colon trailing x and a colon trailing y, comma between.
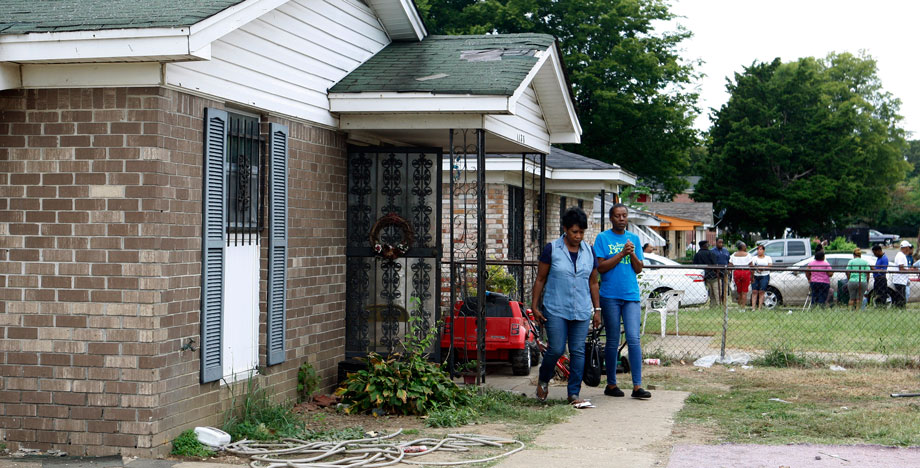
x: 729, y: 34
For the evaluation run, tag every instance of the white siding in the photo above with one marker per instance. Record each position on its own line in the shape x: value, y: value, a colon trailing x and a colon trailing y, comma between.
x: 286, y: 60
x: 526, y: 125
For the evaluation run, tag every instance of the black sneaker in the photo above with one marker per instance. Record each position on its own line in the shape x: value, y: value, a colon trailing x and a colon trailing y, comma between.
x: 641, y: 393
x: 613, y: 391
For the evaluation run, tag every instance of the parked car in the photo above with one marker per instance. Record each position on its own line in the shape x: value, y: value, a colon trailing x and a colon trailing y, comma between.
x: 876, y: 237
x: 786, y: 251
x: 791, y: 288
x: 655, y: 281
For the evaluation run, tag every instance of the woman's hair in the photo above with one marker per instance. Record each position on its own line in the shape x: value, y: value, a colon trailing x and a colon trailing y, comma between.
x: 857, y: 252
x: 645, y: 246
x: 741, y: 245
x: 574, y: 215
x: 761, y: 247
x: 819, y: 255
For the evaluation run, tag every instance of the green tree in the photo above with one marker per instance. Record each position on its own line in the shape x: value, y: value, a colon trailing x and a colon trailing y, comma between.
x: 808, y: 144
x: 628, y: 80
x: 912, y: 155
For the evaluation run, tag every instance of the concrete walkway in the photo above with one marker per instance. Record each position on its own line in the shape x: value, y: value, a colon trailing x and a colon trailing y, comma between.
x: 619, y: 432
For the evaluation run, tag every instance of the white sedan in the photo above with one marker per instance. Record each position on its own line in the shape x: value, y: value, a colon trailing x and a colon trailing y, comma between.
x: 654, y: 281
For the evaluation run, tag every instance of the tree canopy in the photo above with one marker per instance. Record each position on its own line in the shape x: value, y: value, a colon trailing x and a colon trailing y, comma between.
x: 628, y: 79
x: 810, y: 144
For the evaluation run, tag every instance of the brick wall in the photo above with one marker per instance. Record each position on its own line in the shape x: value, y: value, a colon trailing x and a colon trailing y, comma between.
x: 100, y: 212
x: 497, y: 212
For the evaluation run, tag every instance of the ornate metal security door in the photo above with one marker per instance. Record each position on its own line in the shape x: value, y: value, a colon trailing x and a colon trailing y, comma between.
x: 398, y: 191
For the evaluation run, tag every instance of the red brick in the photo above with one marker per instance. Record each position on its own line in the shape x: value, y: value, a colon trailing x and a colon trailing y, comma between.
x: 57, y: 179
x: 102, y: 426
x: 119, y: 440
x: 10, y: 396
x: 42, y: 398
x: 69, y: 398
x: 104, y: 348
x: 70, y: 321
x: 23, y: 358
x: 59, y: 129
x: 108, y: 140
x: 22, y: 333
x: 36, y: 141
x: 89, y: 153
x: 52, y: 411
x: 86, y: 413
x: 53, y: 359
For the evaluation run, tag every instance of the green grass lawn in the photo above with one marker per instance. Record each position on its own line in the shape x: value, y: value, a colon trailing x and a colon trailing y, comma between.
x: 819, y: 405
x: 834, y: 330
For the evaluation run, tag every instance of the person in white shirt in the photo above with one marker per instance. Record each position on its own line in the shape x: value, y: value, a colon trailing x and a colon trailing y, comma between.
x: 761, y: 277
x: 901, y: 279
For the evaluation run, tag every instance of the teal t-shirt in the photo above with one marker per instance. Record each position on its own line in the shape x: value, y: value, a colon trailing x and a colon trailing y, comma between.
x: 858, y: 264
x: 619, y: 282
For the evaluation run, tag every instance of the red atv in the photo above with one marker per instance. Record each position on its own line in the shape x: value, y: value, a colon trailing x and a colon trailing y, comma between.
x: 511, y: 334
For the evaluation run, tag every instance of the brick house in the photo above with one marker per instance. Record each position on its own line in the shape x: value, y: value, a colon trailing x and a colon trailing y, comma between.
x: 174, y: 192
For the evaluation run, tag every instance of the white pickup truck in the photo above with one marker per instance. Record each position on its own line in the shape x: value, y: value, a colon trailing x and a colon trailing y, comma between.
x: 786, y: 252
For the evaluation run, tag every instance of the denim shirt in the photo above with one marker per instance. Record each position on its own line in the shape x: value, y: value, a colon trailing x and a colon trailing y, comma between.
x: 567, y: 293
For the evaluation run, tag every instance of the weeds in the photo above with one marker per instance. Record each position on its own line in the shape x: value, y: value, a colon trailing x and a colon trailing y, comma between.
x: 348, y: 433
x: 781, y: 357
x: 187, y: 445
x: 256, y: 417
x: 307, y: 381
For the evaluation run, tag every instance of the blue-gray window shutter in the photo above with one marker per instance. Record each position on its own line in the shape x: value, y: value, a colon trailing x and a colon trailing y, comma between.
x: 213, y: 233
x: 277, y: 241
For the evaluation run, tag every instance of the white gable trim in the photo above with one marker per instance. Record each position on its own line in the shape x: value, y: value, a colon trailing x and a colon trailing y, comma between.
x: 212, y: 28
x: 553, y: 93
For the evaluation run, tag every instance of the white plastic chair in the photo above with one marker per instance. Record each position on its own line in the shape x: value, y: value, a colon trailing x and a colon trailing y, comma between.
x: 668, y: 304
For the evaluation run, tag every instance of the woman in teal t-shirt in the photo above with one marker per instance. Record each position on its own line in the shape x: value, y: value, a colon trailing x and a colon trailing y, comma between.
x: 857, y: 282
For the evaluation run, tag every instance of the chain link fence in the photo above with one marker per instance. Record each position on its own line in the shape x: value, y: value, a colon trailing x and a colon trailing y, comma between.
x: 691, y: 312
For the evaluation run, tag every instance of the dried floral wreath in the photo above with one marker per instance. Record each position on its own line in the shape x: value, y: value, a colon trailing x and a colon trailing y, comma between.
x: 390, y: 251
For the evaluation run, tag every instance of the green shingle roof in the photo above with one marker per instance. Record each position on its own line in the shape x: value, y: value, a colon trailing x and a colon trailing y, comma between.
x: 482, y: 65
x: 38, y: 16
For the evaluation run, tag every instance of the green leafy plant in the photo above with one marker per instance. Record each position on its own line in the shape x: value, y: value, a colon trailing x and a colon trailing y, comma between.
x: 307, y: 381
x: 187, y: 445
x: 498, y: 279
x: 840, y: 243
x: 403, y: 383
x: 252, y: 415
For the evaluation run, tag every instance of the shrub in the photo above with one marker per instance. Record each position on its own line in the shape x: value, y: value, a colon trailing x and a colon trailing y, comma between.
x: 403, y: 383
x: 307, y: 381
x: 187, y: 445
x: 841, y: 244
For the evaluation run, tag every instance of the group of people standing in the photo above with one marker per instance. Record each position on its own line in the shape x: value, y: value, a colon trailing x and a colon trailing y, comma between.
x: 750, y: 272
x: 568, y: 299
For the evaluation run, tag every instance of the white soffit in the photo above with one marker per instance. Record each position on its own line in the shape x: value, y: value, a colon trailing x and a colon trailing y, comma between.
x: 10, y: 76
x: 127, y: 45
x: 400, y: 19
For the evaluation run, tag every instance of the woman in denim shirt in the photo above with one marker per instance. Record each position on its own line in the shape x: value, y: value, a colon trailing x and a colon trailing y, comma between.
x: 566, y: 300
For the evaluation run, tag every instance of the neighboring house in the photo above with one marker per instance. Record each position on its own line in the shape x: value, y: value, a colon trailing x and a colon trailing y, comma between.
x: 641, y: 222
x: 513, y: 225
x: 684, y: 197
x: 683, y: 226
x: 177, y: 198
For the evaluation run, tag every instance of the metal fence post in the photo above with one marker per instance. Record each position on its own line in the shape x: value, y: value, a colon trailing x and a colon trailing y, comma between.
x: 725, y: 279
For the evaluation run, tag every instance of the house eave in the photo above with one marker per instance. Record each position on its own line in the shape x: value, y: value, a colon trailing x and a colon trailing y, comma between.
x: 132, y: 44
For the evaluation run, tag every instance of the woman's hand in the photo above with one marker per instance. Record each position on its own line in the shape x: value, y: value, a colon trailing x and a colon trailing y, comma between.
x: 538, y: 316
x: 596, y: 320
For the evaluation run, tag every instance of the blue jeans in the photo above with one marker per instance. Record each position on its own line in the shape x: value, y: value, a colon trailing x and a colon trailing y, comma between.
x: 613, y: 310
x: 819, y: 292
x: 558, y: 331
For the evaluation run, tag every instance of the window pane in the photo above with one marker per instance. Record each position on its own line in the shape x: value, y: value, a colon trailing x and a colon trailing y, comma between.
x: 797, y: 248
x: 775, y: 249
